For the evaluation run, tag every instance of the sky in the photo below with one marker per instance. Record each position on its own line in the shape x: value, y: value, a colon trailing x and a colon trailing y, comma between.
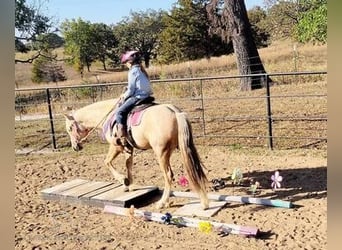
x: 107, y: 11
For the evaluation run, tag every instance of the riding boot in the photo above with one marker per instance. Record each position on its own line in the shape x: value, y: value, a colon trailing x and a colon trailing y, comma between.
x: 122, y: 134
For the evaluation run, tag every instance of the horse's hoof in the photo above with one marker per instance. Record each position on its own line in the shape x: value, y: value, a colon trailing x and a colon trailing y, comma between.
x: 126, y: 182
x: 159, y: 205
x: 126, y: 188
x: 205, y: 206
x: 133, y: 187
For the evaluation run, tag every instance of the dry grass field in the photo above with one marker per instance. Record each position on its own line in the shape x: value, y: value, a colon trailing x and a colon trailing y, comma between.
x: 279, y: 57
x: 42, y: 224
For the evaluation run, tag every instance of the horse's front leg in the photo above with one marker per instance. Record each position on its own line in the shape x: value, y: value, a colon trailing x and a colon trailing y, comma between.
x: 113, y: 152
x: 129, y: 164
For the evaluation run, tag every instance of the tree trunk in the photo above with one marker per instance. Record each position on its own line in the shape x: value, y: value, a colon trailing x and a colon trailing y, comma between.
x: 147, y: 60
x: 103, y: 60
x: 247, y: 55
x: 88, y: 66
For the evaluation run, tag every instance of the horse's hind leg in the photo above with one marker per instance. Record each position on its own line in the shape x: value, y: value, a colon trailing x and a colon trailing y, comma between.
x: 164, y: 163
x: 113, y: 152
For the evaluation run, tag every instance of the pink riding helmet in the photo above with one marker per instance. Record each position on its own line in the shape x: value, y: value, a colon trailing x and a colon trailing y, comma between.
x: 129, y: 55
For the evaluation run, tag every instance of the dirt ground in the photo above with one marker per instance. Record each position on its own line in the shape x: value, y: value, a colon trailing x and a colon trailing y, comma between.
x: 44, y: 224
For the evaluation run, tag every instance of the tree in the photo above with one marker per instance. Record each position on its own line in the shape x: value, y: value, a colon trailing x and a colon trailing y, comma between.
x: 303, y: 20
x: 20, y: 46
x: 281, y: 18
x: 47, y: 41
x: 78, y: 43
x: 104, y: 42
x: 186, y: 34
x: 46, y: 69
x: 257, y: 17
x: 29, y: 24
x: 140, y: 32
x: 230, y: 18
x: 312, y: 24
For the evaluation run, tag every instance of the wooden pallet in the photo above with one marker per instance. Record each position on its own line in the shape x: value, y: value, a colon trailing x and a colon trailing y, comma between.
x: 97, y: 193
x: 194, y: 208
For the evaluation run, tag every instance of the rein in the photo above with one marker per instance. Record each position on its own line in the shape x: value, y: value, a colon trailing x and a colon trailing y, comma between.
x: 93, y: 129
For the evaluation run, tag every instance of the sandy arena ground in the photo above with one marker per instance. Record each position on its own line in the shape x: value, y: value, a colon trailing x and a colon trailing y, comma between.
x: 44, y: 224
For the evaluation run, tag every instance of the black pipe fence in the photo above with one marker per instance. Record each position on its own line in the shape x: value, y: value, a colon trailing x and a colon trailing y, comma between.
x: 294, y: 113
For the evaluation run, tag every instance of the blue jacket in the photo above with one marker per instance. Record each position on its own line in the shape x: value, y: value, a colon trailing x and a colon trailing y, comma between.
x: 138, y: 84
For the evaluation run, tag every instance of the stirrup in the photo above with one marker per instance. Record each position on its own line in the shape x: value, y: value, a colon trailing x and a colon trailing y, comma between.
x: 123, y: 141
x: 127, y: 147
x: 119, y: 141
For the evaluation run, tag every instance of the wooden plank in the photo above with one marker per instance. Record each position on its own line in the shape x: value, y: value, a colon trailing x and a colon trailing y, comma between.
x: 100, y: 191
x: 121, y: 198
x: 110, y: 194
x: 139, y: 191
x: 88, y: 199
x: 63, y: 186
x: 195, y: 209
x: 96, y: 193
x: 138, y: 195
x: 84, y: 189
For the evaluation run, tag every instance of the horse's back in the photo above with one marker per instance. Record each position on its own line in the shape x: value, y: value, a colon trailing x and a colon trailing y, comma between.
x: 158, y: 126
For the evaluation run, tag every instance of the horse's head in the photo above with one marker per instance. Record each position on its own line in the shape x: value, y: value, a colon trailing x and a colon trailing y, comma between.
x: 76, y: 132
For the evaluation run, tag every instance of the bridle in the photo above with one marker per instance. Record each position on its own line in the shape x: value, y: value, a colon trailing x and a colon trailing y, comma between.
x: 76, y: 130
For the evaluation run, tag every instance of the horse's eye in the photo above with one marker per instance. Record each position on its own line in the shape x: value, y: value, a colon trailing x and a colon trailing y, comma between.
x: 70, y: 129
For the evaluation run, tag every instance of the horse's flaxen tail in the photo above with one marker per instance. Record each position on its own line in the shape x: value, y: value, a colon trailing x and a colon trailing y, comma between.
x: 191, y: 159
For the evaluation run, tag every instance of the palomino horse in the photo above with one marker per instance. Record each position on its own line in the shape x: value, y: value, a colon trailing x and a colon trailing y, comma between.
x: 163, y: 128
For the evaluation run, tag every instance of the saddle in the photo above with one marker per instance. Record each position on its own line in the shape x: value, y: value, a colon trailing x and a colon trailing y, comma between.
x: 142, y: 104
x: 133, y: 118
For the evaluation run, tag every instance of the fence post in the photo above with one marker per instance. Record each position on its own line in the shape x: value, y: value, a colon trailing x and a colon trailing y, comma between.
x: 269, y: 113
x: 202, y: 103
x: 51, y: 119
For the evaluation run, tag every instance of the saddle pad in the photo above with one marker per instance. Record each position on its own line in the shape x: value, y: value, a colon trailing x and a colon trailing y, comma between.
x: 135, y: 118
x: 109, y: 123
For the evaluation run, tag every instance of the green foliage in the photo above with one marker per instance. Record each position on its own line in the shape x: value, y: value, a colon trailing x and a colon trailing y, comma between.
x: 186, y: 34
x: 45, y: 69
x: 20, y: 46
x: 303, y: 20
x: 78, y: 43
x: 104, y: 42
x: 257, y: 17
x: 281, y: 19
x: 86, y: 42
x: 47, y: 41
x: 28, y: 21
x: 29, y: 25
x: 312, y: 25
x: 140, y: 32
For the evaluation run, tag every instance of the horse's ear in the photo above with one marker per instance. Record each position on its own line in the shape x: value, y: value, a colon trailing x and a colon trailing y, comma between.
x: 69, y: 117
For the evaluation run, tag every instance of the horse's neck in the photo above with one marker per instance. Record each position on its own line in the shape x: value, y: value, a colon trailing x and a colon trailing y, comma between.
x: 87, y: 119
x: 92, y: 115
